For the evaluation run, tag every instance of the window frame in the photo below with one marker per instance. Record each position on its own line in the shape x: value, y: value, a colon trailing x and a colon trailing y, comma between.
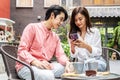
x: 48, y: 3
x: 24, y: 5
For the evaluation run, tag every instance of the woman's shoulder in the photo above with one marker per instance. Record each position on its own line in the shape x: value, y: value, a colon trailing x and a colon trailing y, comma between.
x: 94, y: 29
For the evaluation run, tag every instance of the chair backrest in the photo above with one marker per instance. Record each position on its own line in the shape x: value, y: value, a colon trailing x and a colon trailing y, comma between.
x: 105, y: 55
x: 106, y: 52
x: 9, y: 63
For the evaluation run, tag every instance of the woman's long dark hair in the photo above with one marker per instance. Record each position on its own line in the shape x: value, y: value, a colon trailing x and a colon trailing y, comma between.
x: 83, y: 11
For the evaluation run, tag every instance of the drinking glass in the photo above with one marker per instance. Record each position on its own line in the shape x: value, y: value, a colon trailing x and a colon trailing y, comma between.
x: 78, y: 67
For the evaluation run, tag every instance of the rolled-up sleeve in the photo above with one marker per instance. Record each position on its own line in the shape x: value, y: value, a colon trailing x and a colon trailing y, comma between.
x: 60, y: 55
x: 25, y: 43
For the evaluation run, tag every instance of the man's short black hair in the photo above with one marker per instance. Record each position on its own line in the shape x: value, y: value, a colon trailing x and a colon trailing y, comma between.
x: 56, y: 9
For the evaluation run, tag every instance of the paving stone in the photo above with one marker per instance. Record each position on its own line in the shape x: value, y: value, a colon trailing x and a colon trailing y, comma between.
x: 3, y: 76
x: 2, y: 68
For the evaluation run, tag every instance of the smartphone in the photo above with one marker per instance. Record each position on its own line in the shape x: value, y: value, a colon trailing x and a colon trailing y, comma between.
x: 74, y: 36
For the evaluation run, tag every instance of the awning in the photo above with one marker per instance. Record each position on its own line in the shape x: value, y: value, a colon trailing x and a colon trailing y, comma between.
x: 113, y: 11
x: 103, y: 11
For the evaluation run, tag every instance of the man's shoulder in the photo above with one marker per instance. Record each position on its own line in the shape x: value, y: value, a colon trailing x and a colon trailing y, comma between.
x: 33, y: 25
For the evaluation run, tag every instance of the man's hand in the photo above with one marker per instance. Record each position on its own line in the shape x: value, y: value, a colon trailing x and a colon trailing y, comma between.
x: 69, y: 68
x: 42, y: 64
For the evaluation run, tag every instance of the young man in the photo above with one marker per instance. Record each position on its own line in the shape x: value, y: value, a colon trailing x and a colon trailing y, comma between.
x: 39, y: 44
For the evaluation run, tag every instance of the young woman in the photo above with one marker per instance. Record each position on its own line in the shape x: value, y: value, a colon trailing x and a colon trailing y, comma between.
x: 39, y: 44
x: 87, y: 47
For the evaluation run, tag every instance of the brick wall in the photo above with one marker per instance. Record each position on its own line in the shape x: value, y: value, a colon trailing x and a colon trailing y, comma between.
x: 24, y: 16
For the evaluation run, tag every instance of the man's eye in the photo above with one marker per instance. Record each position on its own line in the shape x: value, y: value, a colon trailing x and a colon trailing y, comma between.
x: 61, y: 19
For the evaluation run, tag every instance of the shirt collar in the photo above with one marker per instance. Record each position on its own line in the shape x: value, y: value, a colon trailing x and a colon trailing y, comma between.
x: 45, y: 27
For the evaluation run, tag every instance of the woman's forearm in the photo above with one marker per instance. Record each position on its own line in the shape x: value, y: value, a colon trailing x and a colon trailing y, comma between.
x: 89, y: 48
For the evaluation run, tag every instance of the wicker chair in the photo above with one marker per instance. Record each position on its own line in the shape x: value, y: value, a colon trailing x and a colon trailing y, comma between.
x: 105, y: 53
x: 9, y: 54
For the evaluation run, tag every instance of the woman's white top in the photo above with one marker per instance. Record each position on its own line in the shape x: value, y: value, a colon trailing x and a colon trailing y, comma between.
x: 94, y: 40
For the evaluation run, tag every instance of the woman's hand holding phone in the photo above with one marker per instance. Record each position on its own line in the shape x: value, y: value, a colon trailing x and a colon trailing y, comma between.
x: 80, y: 43
x: 74, y: 36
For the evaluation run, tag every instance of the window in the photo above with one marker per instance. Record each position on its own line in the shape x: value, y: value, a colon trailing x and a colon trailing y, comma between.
x: 48, y: 3
x: 76, y: 2
x: 63, y: 3
x: 24, y: 3
x: 70, y: 3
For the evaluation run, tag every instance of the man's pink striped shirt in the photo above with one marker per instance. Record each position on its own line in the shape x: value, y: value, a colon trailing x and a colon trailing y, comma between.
x: 37, y: 42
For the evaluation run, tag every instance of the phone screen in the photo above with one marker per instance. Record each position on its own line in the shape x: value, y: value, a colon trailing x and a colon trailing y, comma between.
x: 74, y: 36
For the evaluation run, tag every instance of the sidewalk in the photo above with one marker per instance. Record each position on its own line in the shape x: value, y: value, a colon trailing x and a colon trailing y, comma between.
x: 2, y: 68
x: 3, y: 76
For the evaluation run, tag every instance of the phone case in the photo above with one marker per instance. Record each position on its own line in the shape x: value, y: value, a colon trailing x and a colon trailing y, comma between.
x: 74, y: 36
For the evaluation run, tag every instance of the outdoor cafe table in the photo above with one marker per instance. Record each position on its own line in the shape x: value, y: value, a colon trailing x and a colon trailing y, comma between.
x: 110, y: 76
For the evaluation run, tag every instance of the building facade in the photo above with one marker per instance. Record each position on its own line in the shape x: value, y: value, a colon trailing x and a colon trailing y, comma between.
x: 104, y: 13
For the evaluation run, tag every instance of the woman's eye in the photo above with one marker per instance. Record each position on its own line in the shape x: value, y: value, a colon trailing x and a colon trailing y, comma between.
x: 80, y: 19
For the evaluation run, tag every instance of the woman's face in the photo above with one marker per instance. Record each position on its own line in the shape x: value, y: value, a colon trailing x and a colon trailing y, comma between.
x: 58, y: 20
x: 80, y: 20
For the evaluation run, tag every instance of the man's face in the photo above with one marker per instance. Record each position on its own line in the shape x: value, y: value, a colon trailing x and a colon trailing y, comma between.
x: 58, y: 20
